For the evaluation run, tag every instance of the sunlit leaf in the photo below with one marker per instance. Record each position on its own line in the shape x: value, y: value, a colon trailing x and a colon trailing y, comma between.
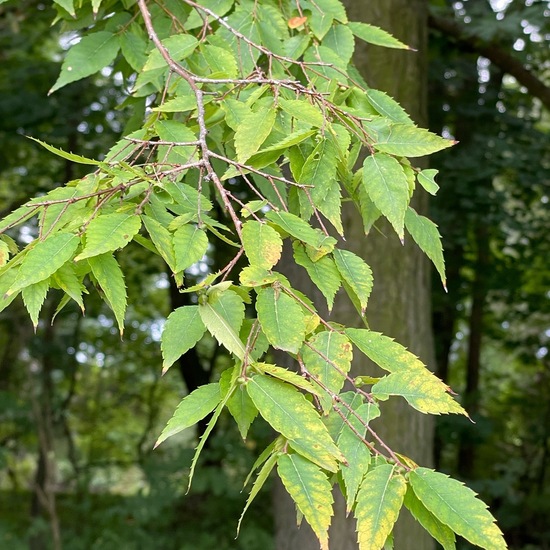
x: 262, y: 244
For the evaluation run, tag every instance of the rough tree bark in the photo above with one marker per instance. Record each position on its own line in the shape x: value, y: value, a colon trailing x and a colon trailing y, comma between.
x: 400, y: 303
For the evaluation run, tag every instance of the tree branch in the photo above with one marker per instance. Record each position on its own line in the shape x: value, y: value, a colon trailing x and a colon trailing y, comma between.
x: 494, y: 53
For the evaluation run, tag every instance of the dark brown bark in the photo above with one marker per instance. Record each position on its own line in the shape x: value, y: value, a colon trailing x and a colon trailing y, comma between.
x: 400, y: 303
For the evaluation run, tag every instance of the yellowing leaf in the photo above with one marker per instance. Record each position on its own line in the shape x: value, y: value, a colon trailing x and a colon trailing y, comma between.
x: 457, y: 506
x: 290, y: 414
x: 310, y: 490
x: 378, y: 503
x: 356, y: 273
x: 182, y: 330
x: 223, y: 315
x: 109, y: 232
x: 287, y: 376
x: 192, y: 408
x: 94, y: 52
x: 262, y: 244
x: 281, y: 318
x: 327, y: 356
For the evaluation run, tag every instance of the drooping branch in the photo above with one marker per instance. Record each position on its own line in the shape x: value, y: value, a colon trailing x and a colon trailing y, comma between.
x: 494, y: 53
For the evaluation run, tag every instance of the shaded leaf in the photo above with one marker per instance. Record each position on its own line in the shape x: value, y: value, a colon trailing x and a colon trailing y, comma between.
x: 182, y: 330
x: 162, y: 239
x: 66, y: 279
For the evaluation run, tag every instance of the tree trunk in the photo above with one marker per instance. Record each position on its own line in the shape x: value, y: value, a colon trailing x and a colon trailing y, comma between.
x: 400, y: 303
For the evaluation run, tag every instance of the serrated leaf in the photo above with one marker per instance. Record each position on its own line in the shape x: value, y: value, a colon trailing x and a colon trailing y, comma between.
x: 356, y: 273
x: 6, y: 281
x: 4, y: 253
x: 319, y: 169
x: 33, y: 298
x: 94, y: 52
x: 281, y: 318
x: 109, y: 232
x: 253, y: 276
x: 179, y: 47
x: 175, y: 132
x: 386, y: 184
x: 190, y: 245
x: 439, y: 531
x: 67, y: 5
x: 378, y: 503
x: 253, y: 131
x: 287, y: 376
x: 336, y: 420
x: 192, y: 408
x: 219, y: 7
x: 311, y: 490
x: 162, y: 239
x: 426, y: 179
x: 303, y: 110
x: 457, y: 506
x: 221, y: 61
x: 223, y: 316
x: 262, y: 244
x: 111, y: 280
x: 182, y: 330
x: 323, y: 273
x: 189, y: 197
x: 44, y: 259
x: 66, y: 279
x: 406, y: 140
x: 340, y: 40
x: 79, y: 159
x: 327, y: 356
x: 242, y: 409
x: 387, y: 106
x: 355, y: 450
x: 290, y: 414
x: 375, y: 35
x: 259, y: 482
x: 133, y: 49
x: 427, y: 237
x: 422, y: 390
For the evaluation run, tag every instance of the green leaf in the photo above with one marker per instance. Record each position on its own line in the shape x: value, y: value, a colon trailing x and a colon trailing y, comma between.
x: 111, y: 280
x: 455, y: 505
x: 219, y: 7
x: 253, y: 131
x: 406, y: 140
x: 336, y: 420
x: 387, y: 106
x: 222, y: 62
x: 340, y: 40
x: 427, y: 237
x: 319, y: 169
x: 33, y: 298
x: 67, y: 156
x: 303, y: 110
x: 262, y: 244
x: 426, y: 179
x: 189, y: 197
x: 190, y: 245
x: 311, y: 490
x: 44, y: 259
x: 66, y: 279
x: 375, y: 35
x: 253, y: 276
x: 327, y: 356
x: 6, y: 281
x: 422, y: 390
x: 179, y: 47
x: 323, y: 273
x: 94, y: 52
x: 289, y: 413
x: 356, y: 273
x: 192, y: 408
x: 354, y: 449
x: 259, y: 482
x: 67, y: 5
x: 439, y: 531
x: 242, y: 409
x: 281, y: 318
x: 162, y: 239
x: 133, y: 49
x: 109, y: 232
x: 175, y: 132
x: 386, y: 184
x: 182, y: 330
x: 378, y: 503
x: 287, y: 376
x: 223, y: 315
